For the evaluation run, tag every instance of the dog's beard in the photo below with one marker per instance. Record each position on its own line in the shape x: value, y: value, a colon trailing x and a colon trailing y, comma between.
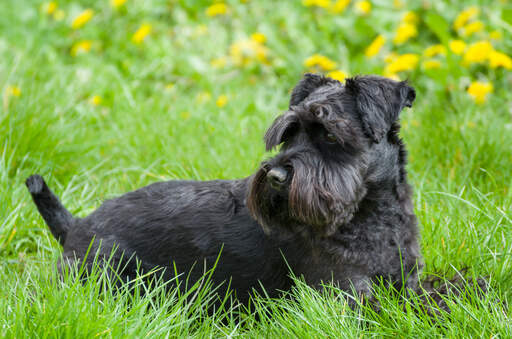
x: 319, y: 199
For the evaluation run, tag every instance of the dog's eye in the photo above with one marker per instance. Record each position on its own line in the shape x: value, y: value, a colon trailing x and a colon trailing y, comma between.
x: 330, y: 138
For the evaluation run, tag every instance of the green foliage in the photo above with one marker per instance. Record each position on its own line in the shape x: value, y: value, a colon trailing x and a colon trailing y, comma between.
x: 118, y: 114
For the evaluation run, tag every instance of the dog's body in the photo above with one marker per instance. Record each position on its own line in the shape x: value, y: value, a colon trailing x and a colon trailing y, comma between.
x: 333, y: 206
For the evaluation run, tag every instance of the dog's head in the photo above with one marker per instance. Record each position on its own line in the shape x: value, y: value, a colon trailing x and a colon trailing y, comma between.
x: 333, y: 140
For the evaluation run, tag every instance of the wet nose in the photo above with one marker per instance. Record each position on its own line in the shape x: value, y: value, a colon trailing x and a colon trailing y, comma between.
x: 277, y: 176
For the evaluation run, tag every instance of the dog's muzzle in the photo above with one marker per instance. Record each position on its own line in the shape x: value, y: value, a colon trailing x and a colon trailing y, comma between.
x: 276, y: 177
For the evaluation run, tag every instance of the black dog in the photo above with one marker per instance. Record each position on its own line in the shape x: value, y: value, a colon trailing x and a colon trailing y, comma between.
x: 333, y: 206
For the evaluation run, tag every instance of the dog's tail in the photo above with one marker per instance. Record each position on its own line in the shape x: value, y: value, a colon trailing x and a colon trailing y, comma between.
x: 57, y: 217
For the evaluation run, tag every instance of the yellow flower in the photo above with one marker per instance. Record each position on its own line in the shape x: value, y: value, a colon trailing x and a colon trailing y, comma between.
x: 479, y: 90
x: 117, y: 3
x: 410, y: 17
x: 217, y: 9
x: 203, y: 97
x: 169, y: 86
x: 404, y: 62
x: 434, y: 50
x: 478, y: 52
x: 321, y: 61
x: 50, y: 7
x: 457, y: 46
x: 259, y: 37
x: 495, y: 35
x: 404, y: 32
x: 219, y: 62
x: 498, y: 59
x: 431, y: 64
x: 141, y: 33
x: 185, y: 115
x: 58, y: 15
x: 465, y: 16
x: 244, y: 52
x: 95, y: 100
x: 398, y: 4
x: 82, y: 19
x: 337, y: 75
x: 393, y: 76
x: 375, y: 46
x: 222, y: 100
x: 339, y: 6
x: 390, y: 57
x: 474, y: 27
x: 364, y: 7
x: 13, y: 90
x: 317, y: 3
x: 80, y: 47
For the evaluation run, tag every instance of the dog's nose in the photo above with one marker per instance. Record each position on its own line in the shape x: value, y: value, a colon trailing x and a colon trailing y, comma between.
x: 277, y: 176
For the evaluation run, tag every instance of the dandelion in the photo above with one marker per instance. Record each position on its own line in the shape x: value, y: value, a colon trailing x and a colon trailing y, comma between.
x: 434, y: 50
x: 375, y: 46
x: 398, y: 4
x: 339, y: 6
x: 474, y: 27
x: 259, y: 37
x: 498, y: 59
x: 80, y: 47
x: 169, y: 86
x: 392, y: 76
x: 495, y: 35
x: 317, y: 3
x: 50, y: 7
x: 431, y: 64
x: 82, y: 19
x: 457, y: 46
x: 203, y: 97
x: 222, y: 100
x: 321, y: 61
x: 364, y: 7
x: 479, y: 91
x: 337, y: 75
x: 185, y: 115
x: 478, y: 52
x: 217, y: 9
x: 96, y: 100
x: 13, y: 90
x: 390, y: 57
x: 244, y: 52
x: 404, y: 62
x: 404, y: 32
x: 465, y: 16
x: 117, y: 3
x: 410, y: 17
x: 219, y: 62
x: 200, y: 30
x: 58, y: 15
x: 141, y: 33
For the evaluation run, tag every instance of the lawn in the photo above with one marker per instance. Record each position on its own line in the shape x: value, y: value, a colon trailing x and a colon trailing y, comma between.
x: 102, y: 97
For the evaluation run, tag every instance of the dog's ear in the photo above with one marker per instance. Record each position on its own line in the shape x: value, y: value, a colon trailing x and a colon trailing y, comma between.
x: 306, y: 86
x: 281, y: 128
x: 379, y: 101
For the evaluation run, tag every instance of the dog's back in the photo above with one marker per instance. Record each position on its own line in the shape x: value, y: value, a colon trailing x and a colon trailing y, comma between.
x: 182, y: 225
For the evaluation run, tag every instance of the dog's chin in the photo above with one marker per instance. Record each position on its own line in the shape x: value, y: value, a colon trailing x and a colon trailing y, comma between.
x: 267, y: 204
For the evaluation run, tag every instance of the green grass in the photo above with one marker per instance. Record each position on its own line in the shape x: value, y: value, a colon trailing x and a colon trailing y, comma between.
x: 460, y: 155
